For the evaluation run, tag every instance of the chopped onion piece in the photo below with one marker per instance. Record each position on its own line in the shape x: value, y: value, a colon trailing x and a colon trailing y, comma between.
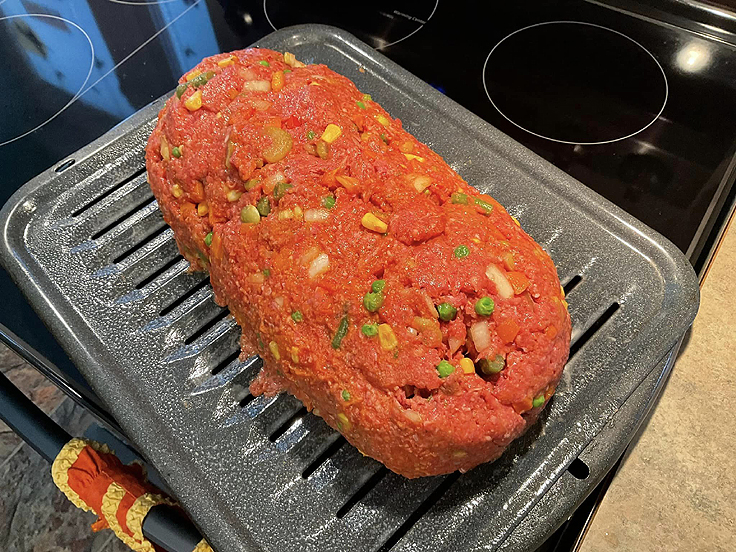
x: 454, y: 344
x: 480, y: 335
x: 502, y: 284
x: 319, y: 265
x: 257, y: 86
x: 421, y: 182
x: 316, y: 215
x: 309, y: 255
x: 412, y: 416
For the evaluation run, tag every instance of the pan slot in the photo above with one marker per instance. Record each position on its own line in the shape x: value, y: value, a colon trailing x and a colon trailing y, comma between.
x: 417, y: 514
x: 322, y: 458
x: 108, y: 193
x: 207, y: 327
x: 375, y: 479
x: 245, y: 401
x: 170, y: 264
x: 122, y: 218
x: 141, y: 244
x: 220, y: 367
x: 572, y: 284
x: 594, y: 327
x: 182, y: 298
x: 579, y: 469
x: 279, y: 431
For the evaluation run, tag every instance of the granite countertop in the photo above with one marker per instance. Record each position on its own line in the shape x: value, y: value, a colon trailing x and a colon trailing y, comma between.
x: 676, y: 489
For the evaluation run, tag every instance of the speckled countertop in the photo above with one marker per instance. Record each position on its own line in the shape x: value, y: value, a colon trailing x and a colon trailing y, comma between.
x: 676, y: 490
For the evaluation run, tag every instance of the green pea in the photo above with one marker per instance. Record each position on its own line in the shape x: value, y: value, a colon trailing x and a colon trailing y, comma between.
x: 265, y: 63
x: 264, y: 206
x: 372, y: 301
x: 342, y: 331
x: 345, y: 395
x: 458, y: 197
x: 280, y: 189
x: 311, y: 135
x: 484, y: 306
x: 462, y: 251
x: 176, y: 151
x: 369, y: 330
x: 296, y: 316
x: 378, y: 285
x: 201, y: 80
x: 180, y: 89
x: 484, y: 204
x: 538, y: 401
x: 287, y: 70
x: 328, y: 202
x: 361, y: 105
x: 445, y: 368
x: 266, y: 272
x: 446, y: 311
x: 208, y: 239
x: 492, y: 366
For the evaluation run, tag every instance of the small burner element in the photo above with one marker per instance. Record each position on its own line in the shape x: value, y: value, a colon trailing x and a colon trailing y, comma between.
x: 52, y: 62
x: 381, y: 23
x: 574, y: 82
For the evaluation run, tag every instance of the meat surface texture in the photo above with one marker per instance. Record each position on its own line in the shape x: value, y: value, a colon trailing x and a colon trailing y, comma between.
x: 394, y: 300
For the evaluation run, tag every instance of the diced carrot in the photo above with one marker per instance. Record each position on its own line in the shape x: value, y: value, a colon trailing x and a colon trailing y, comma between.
x: 348, y: 182
x: 523, y: 406
x: 187, y: 209
x: 277, y: 81
x: 198, y: 194
x: 508, y: 260
x: 507, y: 330
x: 329, y: 177
x: 518, y: 281
x: 216, y: 247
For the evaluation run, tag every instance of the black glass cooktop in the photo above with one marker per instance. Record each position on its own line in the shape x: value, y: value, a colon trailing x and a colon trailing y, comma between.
x: 639, y: 109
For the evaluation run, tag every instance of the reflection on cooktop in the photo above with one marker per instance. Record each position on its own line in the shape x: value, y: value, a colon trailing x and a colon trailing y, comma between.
x: 58, y: 70
x: 381, y: 23
x: 574, y: 82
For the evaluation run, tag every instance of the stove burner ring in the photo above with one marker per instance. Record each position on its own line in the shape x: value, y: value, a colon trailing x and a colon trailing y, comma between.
x: 405, y: 17
x: 81, y: 88
x: 659, y: 71
x: 141, y: 2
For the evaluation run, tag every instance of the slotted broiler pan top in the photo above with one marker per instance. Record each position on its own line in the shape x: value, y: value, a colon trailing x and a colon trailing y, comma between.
x: 91, y: 252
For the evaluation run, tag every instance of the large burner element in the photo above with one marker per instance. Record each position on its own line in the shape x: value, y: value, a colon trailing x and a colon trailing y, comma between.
x: 381, y: 23
x: 53, y: 57
x: 533, y: 78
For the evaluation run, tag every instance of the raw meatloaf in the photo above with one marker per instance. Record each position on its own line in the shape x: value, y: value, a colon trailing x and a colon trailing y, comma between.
x: 394, y: 300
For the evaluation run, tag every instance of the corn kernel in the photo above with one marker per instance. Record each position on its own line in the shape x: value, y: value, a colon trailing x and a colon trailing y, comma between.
x: 343, y: 423
x: 274, y: 348
x: 386, y: 337
x: 202, y: 209
x: 411, y: 156
x: 331, y: 133
x: 193, y: 75
x: 176, y: 191
x: 234, y: 195
x: 372, y: 222
x: 562, y: 292
x: 194, y: 102
x: 516, y: 221
x: 286, y: 214
x: 295, y: 355
x: 383, y: 120
x: 298, y: 213
x: 227, y: 62
x: 467, y: 365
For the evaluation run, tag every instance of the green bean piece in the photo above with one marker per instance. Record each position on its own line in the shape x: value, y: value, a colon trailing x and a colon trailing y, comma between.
x: 361, y: 105
x: 296, y: 316
x: 181, y: 88
x: 345, y: 395
x: 342, y: 331
x: 264, y: 206
x: 311, y: 135
x: 264, y: 63
x: 280, y: 189
x: 484, y: 204
x: 208, y: 239
x: 459, y: 197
